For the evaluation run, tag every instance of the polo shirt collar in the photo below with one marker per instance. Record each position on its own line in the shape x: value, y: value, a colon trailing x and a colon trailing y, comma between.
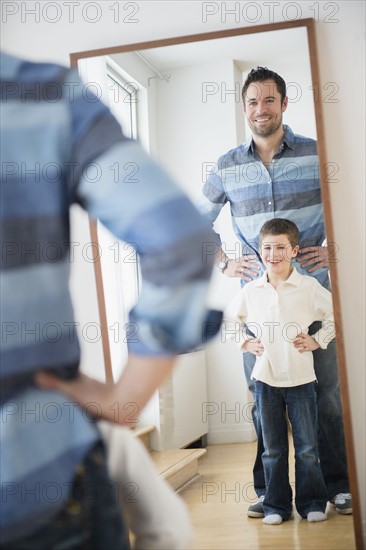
x: 294, y: 279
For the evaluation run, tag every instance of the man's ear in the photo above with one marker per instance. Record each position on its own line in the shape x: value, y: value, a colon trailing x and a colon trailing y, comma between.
x: 284, y: 103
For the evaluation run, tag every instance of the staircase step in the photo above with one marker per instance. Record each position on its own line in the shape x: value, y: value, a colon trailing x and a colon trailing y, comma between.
x: 143, y: 433
x: 179, y: 467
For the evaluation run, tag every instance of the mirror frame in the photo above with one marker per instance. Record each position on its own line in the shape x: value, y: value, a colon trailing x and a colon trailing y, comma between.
x: 328, y: 218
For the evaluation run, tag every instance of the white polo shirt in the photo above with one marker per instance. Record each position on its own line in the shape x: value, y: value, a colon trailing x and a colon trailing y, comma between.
x: 277, y: 316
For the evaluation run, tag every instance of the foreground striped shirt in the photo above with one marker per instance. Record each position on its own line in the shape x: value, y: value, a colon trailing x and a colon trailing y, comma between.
x: 59, y: 146
x: 288, y: 188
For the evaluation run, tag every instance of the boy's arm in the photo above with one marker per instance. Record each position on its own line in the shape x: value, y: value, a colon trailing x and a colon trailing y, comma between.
x: 235, y: 315
x: 323, y: 306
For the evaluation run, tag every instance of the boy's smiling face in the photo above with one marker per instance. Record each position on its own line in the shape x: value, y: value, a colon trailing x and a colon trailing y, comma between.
x: 277, y: 253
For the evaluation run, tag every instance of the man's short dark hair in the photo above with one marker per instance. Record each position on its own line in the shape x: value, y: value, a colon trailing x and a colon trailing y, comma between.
x: 261, y: 74
x: 280, y: 226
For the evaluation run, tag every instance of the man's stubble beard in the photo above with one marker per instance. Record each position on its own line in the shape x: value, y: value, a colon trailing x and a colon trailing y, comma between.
x: 265, y: 132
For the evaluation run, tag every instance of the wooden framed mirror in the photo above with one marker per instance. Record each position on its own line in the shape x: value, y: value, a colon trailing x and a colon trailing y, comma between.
x: 285, y: 40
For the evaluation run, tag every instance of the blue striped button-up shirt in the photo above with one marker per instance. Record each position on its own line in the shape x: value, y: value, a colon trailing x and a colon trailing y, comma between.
x: 288, y: 188
x: 59, y: 146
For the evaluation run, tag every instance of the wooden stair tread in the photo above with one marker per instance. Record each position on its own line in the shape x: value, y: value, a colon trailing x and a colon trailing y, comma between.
x: 179, y: 467
x: 139, y: 431
x: 171, y: 461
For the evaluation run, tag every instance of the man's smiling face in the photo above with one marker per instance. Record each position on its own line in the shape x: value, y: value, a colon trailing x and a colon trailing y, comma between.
x: 264, y: 108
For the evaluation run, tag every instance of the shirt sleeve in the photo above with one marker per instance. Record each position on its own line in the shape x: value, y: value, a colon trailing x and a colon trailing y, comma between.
x: 323, y: 307
x: 151, y: 213
x: 235, y: 316
x: 212, y: 200
x: 120, y: 185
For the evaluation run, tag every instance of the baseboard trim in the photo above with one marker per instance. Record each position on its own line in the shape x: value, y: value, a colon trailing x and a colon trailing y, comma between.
x: 230, y: 434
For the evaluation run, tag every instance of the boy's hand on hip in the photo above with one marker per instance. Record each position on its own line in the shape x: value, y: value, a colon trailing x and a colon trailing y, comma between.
x: 254, y: 346
x: 305, y: 342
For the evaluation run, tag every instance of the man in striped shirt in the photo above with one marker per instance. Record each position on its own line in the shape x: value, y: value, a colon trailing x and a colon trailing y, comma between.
x: 55, y: 491
x: 275, y: 174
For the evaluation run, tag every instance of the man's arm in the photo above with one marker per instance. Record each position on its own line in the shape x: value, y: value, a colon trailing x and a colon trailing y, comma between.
x: 171, y: 316
x: 152, y: 213
x: 210, y: 205
x: 122, y: 402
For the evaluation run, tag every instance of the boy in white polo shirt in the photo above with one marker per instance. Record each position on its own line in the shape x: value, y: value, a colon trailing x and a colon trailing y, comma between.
x: 278, y: 308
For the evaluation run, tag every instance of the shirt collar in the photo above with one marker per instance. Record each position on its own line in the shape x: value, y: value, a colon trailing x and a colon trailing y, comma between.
x: 9, y: 66
x: 294, y: 279
x: 288, y: 140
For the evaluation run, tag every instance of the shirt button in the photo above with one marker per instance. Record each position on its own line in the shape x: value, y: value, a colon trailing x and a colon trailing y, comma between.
x: 269, y: 202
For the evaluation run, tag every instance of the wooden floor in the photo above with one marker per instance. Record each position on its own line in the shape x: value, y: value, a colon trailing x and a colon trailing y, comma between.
x: 218, y: 503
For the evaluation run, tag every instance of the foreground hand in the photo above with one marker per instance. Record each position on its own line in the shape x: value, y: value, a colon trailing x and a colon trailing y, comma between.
x: 122, y: 402
x: 93, y: 396
x: 254, y: 346
x: 305, y: 342
x: 246, y: 267
x: 312, y: 258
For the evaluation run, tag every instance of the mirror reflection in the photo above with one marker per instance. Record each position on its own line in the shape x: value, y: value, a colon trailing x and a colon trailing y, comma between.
x: 183, y: 102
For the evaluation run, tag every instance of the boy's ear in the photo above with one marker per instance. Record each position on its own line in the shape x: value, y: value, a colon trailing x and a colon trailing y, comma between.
x: 295, y: 251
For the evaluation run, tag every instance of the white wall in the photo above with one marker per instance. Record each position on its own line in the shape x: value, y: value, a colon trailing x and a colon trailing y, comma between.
x: 341, y: 50
x: 194, y: 130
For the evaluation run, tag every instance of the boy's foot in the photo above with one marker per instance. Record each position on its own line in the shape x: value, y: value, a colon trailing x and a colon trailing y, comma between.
x: 256, y: 510
x: 272, y: 519
x: 314, y: 517
x: 342, y: 503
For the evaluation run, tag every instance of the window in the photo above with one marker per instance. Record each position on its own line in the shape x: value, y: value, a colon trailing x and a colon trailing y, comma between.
x: 123, y: 263
x: 123, y: 98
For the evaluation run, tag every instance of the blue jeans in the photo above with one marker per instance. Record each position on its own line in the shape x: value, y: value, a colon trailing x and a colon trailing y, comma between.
x: 91, y: 520
x: 331, y: 443
x: 310, y: 490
